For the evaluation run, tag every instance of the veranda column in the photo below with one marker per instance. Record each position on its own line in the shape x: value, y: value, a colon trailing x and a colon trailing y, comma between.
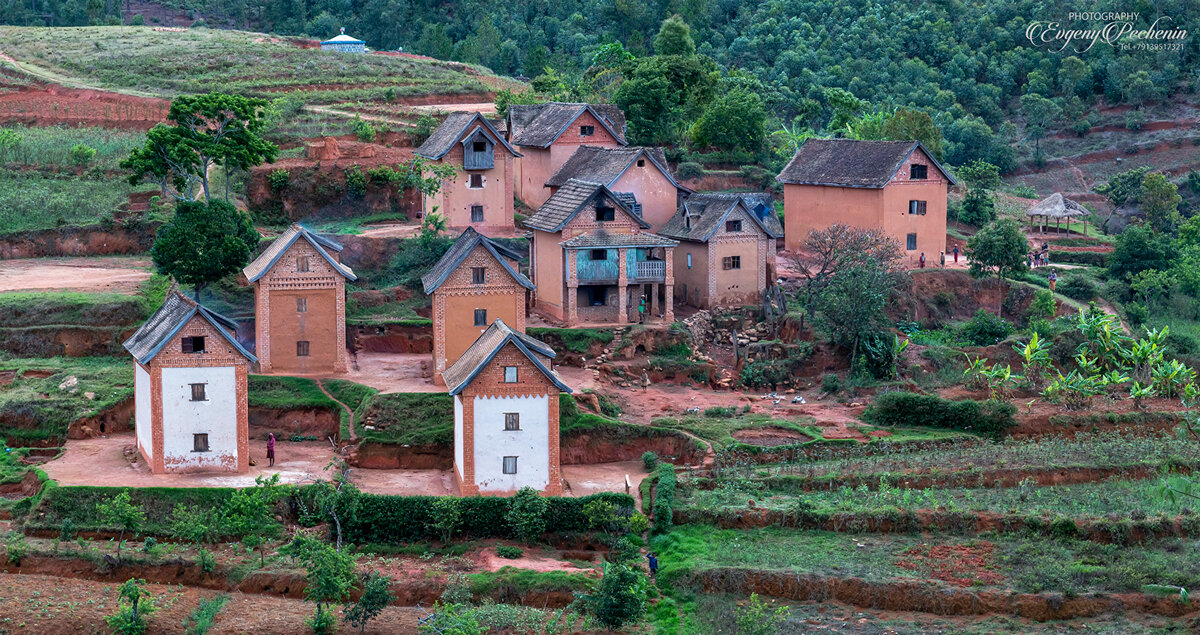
x: 622, y: 290
x: 669, y: 284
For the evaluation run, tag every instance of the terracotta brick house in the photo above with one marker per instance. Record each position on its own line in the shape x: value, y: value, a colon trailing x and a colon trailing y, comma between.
x: 482, y: 195
x: 476, y: 282
x: 894, y: 186
x: 548, y: 134
x: 300, y: 304
x: 190, y: 390
x: 726, y: 248
x: 506, y: 432
x: 593, y: 261
x: 640, y: 174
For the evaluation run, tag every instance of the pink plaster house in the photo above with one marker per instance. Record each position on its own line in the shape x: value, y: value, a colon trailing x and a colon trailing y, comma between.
x: 641, y: 174
x: 482, y: 194
x: 548, y: 134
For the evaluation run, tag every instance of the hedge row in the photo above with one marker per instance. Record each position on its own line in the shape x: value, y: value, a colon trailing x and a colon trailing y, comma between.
x: 987, y: 418
x: 664, y: 499
x: 1093, y: 258
x: 79, y: 504
x: 394, y: 519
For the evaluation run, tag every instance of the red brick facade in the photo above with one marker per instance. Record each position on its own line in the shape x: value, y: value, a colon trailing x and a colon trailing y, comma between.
x: 280, y: 323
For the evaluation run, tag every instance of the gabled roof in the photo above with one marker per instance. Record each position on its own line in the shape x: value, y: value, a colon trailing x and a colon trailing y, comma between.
x: 451, y: 131
x: 460, y: 374
x: 176, y: 311
x: 275, y: 250
x: 342, y: 38
x: 606, y: 165
x: 458, y: 252
x: 540, y: 125
x: 851, y: 163
x: 603, y: 238
x: 565, y: 203
x: 707, y: 211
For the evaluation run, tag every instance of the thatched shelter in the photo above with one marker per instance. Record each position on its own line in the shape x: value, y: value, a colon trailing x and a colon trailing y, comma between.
x: 1057, y: 207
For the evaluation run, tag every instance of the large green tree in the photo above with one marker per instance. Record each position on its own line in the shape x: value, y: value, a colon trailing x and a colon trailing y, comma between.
x: 203, y: 243
x: 736, y: 120
x: 1160, y: 202
x: 674, y: 38
x: 216, y: 129
x: 999, y: 248
x: 663, y: 94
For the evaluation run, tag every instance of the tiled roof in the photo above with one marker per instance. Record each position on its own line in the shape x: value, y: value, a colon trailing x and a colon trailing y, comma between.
x: 539, y: 125
x: 460, y: 374
x: 451, y: 131
x: 565, y: 203
x: 176, y: 311
x: 606, y: 165
x: 707, y: 210
x: 272, y: 253
x: 459, y: 251
x: 849, y: 162
x: 602, y: 238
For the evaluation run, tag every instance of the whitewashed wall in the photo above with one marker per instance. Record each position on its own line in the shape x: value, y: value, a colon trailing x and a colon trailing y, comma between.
x: 142, y: 413
x: 458, y: 435
x: 183, y: 417
x: 531, y: 444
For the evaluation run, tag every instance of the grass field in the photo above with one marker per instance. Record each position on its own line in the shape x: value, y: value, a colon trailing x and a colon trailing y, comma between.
x: 31, y: 201
x: 408, y: 419
x: 40, y: 408
x: 165, y: 63
x: 51, y: 146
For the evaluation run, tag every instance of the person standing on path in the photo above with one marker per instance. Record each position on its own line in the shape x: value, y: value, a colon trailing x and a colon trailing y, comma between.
x: 922, y: 261
x: 271, y: 449
x: 645, y: 380
x: 956, y: 254
x: 1053, y: 280
x: 642, y: 310
x: 653, y: 560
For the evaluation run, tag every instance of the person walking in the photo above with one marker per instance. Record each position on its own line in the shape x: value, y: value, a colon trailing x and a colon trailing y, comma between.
x: 943, y: 259
x: 652, y: 559
x: 645, y: 380
x: 271, y: 449
x: 1053, y: 280
x: 642, y: 310
x: 956, y: 254
x: 922, y: 261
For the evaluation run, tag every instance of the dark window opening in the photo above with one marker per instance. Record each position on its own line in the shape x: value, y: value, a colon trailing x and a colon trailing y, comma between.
x: 510, y: 465
x: 478, y: 275
x: 918, y: 171
x: 480, y: 317
x: 476, y: 181
x: 200, y: 442
x: 598, y: 254
x: 302, y: 264
x: 731, y: 262
x: 476, y: 213
x: 479, y: 146
x: 301, y: 305
x: 193, y: 344
x: 597, y: 296
x: 198, y: 392
x: 911, y: 242
x: 604, y: 214
x: 512, y: 421
x: 641, y: 163
x: 733, y: 225
x: 916, y: 208
x: 587, y: 131
x: 302, y: 349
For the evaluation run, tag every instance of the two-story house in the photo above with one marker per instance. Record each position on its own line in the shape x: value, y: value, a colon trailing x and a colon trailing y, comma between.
x: 477, y: 282
x: 506, y: 427
x: 893, y: 186
x: 593, y: 260
x: 482, y: 194
x: 642, y: 173
x: 548, y: 134
x: 300, y: 304
x: 725, y: 244
x: 190, y: 390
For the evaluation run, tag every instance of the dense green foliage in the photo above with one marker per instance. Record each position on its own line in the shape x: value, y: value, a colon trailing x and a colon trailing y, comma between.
x: 989, y: 418
x: 664, y: 498
x: 204, y: 243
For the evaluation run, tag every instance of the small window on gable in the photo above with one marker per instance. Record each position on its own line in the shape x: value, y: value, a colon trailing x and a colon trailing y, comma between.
x: 918, y: 171
x: 733, y: 225
x: 302, y: 263
x: 916, y: 208
x: 731, y: 262
x: 641, y: 163
x: 605, y: 213
x: 301, y: 305
x: 302, y: 349
x: 598, y: 254
x: 479, y: 146
x: 476, y: 213
x: 689, y: 265
x: 198, y: 392
x: 911, y: 242
x: 200, y: 442
x: 193, y: 344
x: 510, y: 374
x: 512, y: 421
x: 510, y: 465
x: 478, y: 275
x: 587, y: 131
x: 480, y: 317
x: 475, y: 182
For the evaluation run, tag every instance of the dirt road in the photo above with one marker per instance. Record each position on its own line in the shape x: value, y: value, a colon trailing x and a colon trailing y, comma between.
x: 93, y: 275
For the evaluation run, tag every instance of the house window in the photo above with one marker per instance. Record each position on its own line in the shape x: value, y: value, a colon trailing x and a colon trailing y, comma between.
x: 301, y: 305
x: 731, y: 262
x: 598, y: 254
x: 689, y: 260
x: 193, y: 344
x: 911, y: 242
x: 604, y: 214
x: 478, y: 275
x: 198, y: 392
x: 733, y: 225
x: 476, y: 213
x: 512, y: 421
x: 475, y: 182
x: 641, y: 163
x: 916, y: 208
x: 302, y: 264
x: 200, y: 442
x: 598, y: 296
x: 510, y: 374
x: 479, y: 146
x: 918, y: 171
x: 480, y: 317
x: 510, y: 465
x: 302, y: 349
x: 587, y: 131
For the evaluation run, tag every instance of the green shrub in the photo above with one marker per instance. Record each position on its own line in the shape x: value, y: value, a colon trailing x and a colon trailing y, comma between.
x: 1090, y: 258
x: 510, y: 552
x: 650, y: 460
x: 831, y: 383
x: 664, y: 499
x: 720, y: 412
x: 527, y: 515
x: 689, y: 170
x: 82, y: 154
x: 985, y: 328
x: 356, y: 180
x: 364, y: 129
x: 989, y: 418
x: 279, y: 179
x: 1077, y: 288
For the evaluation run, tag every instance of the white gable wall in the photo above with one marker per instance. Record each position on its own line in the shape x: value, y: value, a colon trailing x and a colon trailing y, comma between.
x: 458, y: 436
x: 530, y: 444
x: 183, y: 417
x: 142, y: 413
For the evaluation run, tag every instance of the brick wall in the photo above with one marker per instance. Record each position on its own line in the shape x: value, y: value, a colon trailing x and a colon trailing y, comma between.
x: 454, y: 305
x: 279, y: 325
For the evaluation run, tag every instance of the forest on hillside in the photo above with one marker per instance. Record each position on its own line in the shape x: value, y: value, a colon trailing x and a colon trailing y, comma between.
x: 812, y: 65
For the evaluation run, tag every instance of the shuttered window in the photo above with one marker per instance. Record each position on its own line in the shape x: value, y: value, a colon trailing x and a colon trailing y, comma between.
x: 198, y: 393
x: 512, y: 421
x: 200, y: 442
x: 193, y: 344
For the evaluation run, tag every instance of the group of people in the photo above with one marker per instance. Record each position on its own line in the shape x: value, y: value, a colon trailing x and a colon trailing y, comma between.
x: 921, y: 260
x: 1039, y: 258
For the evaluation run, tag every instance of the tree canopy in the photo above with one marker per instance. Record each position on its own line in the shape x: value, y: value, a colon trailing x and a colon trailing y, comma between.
x: 203, y: 243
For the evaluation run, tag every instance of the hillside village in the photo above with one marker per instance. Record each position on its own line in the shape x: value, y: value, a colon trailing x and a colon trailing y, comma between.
x: 302, y: 332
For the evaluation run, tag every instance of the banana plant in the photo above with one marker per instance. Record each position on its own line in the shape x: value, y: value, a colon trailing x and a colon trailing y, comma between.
x: 1074, y: 390
x: 999, y: 380
x: 1171, y: 377
x: 974, y: 373
x: 1035, y: 355
x: 1103, y: 337
x: 1145, y: 354
x: 1139, y: 391
x: 898, y: 348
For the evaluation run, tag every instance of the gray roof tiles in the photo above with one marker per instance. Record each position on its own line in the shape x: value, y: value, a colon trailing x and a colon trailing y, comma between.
x: 606, y: 165
x: 451, y: 131
x: 565, y: 203
x: 539, y: 125
x: 176, y: 311
x: 602, y: 238
x: 707, y: 210
x: 850, y: 162
x: 460, y: 374
x: 458, y: 252
x: 276, y: 249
